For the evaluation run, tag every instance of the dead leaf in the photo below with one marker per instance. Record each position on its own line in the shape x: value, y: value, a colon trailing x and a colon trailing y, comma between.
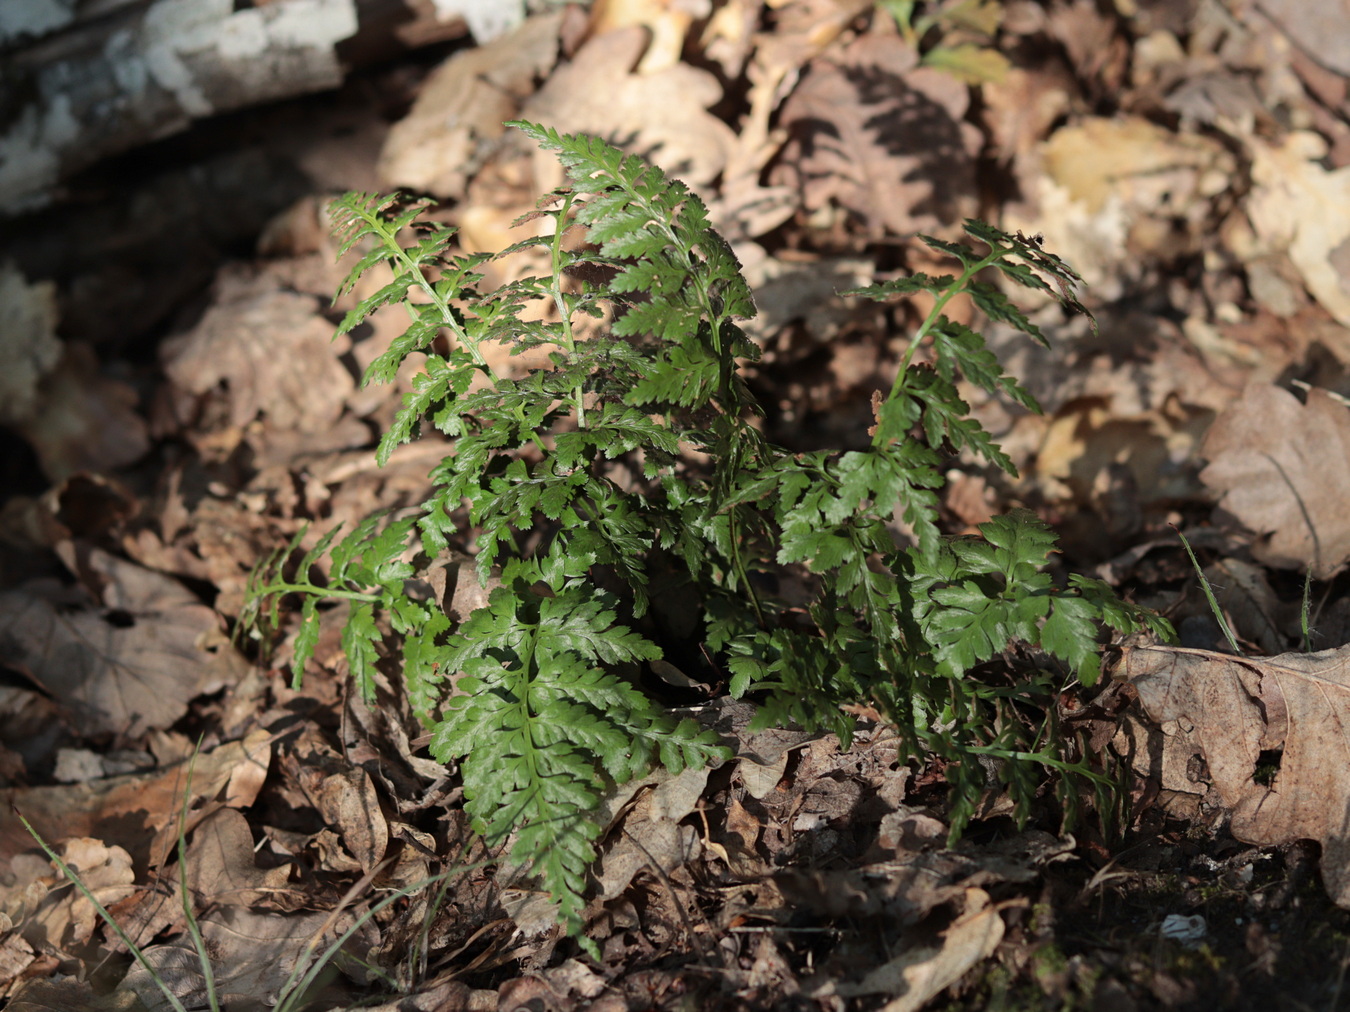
x: 1296, y: 705
x: 129, y: 811
x: 220, y: 865
x: 84, y: 420
x: 657, y: 846
x: 50, y: 995
x: 265, y: 352
x: 1321, y: 30
x: 1247, y: 598
x: 254, y: 953
x: 599, y: 93
x: 922, y: 974
x: 128, y: 666
x: 16, y: 956
x: 458, y: 117
x: 67, y: 918
x: 880, y: 136
x: 1021, y: 108
x: 652, y: 836
x: 1114, y: 193
x: 1302, y: 209
x: 348, y: 801
x: 666, y: 23
x: 1268, y: 463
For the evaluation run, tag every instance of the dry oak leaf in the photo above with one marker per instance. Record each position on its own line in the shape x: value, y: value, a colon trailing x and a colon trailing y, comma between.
x: 1280, y: 467
x: 457, y: 120
x: 271, y: 351
x: 1295, y: 704
x: 881, y: 136
x: 662, y: 116
x: 125, y: 664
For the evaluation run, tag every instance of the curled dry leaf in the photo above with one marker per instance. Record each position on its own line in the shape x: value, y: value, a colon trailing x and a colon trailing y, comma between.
x: 1268, y: 462
x: 1296, y: 706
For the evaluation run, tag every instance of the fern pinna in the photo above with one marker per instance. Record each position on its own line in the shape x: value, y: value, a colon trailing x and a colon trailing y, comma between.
x: 526, y: 693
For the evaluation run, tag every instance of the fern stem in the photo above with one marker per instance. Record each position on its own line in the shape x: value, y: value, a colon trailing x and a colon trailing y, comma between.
x: 956, y: 288
x: 309, y: 588
x: 560, y: 299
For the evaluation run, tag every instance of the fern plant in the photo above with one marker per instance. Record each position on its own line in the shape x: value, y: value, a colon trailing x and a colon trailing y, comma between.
x: 530, y: 694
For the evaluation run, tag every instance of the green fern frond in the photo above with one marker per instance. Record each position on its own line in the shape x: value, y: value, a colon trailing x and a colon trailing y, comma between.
x: 577, y: 476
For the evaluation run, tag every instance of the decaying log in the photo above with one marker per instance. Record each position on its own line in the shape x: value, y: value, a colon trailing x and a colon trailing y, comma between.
x: 82, y: 80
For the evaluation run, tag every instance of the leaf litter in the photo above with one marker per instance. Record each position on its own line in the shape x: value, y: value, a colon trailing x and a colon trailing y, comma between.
x: 1188, y: 162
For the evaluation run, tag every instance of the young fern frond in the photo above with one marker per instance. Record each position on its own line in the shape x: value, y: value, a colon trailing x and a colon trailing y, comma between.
x: 532, y: 695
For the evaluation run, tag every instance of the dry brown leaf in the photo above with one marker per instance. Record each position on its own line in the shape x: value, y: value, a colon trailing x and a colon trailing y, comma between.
x: 84, y: 420
x: 598, y: 93
x: 129, y: 811
x: 1021, y: 108
x: 653, y: 835
x: 458, y: 117
x: 1277, y: 466
x: 254, y: 953
x: 348, y: 801
x: 269, y: 352
x: 881, y: 136
x: 16, y: 955
x: 1295, y: 704
x: 1321, y: 29
x: 68, y: 917
x: 50, y: 995
x: 220, y: 865
x: 1247, y: 598
x: 919, y: 975
x: 128, y: 664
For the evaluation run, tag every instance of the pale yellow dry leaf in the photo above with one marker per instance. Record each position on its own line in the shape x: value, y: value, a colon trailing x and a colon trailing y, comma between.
x: 1298, y: 207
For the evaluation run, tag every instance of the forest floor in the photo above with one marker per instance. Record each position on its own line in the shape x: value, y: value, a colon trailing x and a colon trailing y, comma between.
x: 175, y: 409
